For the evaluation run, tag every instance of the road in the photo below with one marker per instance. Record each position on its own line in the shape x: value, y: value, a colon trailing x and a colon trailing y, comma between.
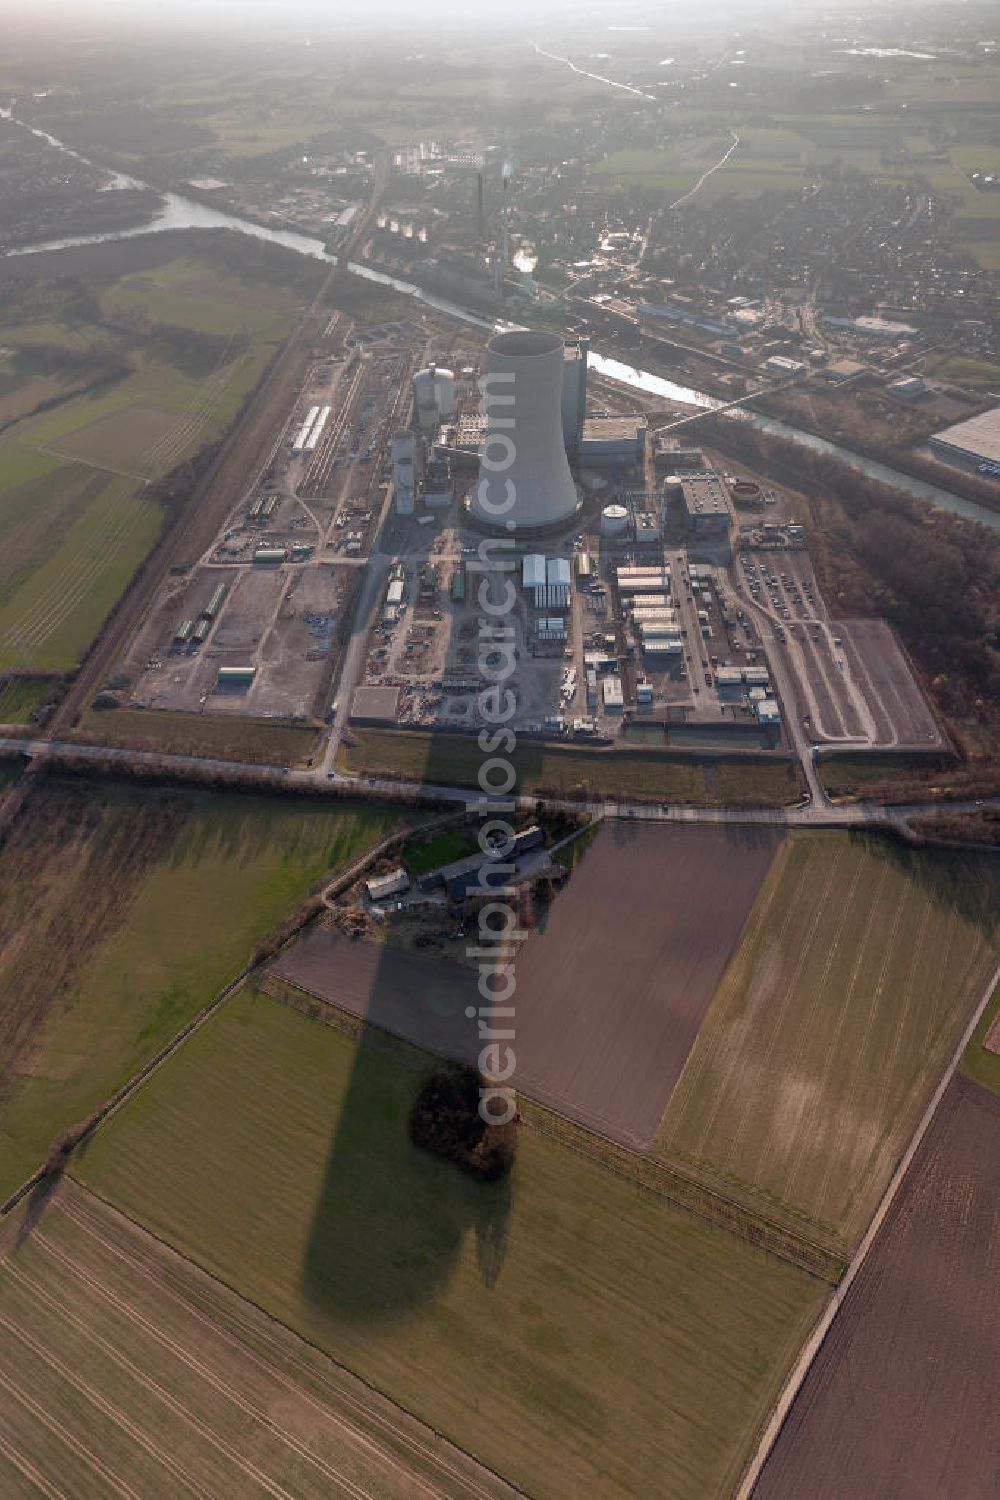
x: 318, y: 779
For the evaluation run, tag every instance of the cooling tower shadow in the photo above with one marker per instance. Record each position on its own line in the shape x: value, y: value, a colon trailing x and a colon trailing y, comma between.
x: 392, y: 1222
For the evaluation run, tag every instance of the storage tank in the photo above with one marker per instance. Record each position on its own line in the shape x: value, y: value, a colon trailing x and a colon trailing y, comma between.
x: 524, y: 478
x: 673, y: 487
x: 433, y: 396
x: 614, y: 521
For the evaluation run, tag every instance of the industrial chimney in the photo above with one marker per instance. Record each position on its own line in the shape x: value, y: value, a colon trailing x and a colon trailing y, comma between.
x: 524, y: 478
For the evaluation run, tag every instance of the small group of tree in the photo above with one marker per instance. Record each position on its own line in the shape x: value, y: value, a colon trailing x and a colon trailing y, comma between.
x: 445, y: 1120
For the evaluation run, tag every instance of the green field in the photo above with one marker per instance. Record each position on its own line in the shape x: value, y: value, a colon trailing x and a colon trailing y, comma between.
x: 122, y: 911
x: 960, y: 370
x: 858, y: 968
x: 581, y: 1337
x: 429, y: 851
x: 270, y: 742
x: 456, y: 759
x: 76, y: 515
x: 20, y: 696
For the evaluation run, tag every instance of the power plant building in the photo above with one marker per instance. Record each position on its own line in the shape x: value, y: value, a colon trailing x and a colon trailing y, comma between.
x: 613, y: 440
x: 524, y: 481
x: 706, y: 508
x: 403, y: 450
x: 574, y: 393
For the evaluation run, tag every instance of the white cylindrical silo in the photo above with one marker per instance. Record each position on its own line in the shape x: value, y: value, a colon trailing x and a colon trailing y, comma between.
x: 614, y: 521
x: 524, y: 478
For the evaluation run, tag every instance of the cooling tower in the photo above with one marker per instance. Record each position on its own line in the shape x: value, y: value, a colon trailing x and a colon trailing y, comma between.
x: 524, y: 475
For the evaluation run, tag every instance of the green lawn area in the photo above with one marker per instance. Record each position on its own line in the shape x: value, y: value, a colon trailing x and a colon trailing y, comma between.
x: 960, y: 370
x: 858, y: 968
x: 980, y: 1062
x: 270, y: 742
x: 578, y: 1336
x: 122, y: 911
x: 428, y: 851
x: 20, y: 695
x: 456, y: 759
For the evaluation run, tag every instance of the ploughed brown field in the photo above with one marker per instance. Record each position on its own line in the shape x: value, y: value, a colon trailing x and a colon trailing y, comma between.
x: 902, y: 1398
x: 610, y: 993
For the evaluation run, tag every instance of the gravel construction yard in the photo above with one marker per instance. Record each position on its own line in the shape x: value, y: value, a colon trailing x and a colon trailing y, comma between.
x: 609, y: 995
x: 902, y: 1398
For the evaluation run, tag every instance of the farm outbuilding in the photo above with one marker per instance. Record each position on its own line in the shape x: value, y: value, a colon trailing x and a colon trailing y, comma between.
x: 381, y: 887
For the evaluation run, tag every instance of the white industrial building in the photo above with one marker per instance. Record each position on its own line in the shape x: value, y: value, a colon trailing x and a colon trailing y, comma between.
x: 614, y: 698
x: 546, y: 580
x: 643, y: 580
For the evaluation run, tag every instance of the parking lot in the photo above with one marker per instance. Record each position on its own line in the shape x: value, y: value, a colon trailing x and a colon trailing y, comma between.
x: 852, y: 684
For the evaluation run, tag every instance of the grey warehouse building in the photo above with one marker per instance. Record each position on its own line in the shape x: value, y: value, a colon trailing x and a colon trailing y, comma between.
x: 972, y: 444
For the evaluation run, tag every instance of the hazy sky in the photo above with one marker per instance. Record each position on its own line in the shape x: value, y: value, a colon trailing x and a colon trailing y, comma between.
x: 467, y: 14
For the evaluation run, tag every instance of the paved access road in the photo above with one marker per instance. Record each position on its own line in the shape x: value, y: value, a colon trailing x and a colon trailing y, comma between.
x: 318, y: 779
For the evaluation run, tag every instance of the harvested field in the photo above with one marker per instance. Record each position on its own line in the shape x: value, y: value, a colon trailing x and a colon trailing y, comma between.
x: 609, y: 995
x: 857, y: 971
x: 580, y: 1337
x: 902, y: 1397
x: 125, y: 1365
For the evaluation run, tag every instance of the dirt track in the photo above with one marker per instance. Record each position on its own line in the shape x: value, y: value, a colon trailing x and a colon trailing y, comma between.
x: 901, y: 1402
x: 609, y: 996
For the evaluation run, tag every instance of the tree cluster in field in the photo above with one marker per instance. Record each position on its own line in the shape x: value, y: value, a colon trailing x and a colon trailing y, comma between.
x: 557, y: 822
x: 445, y: 1120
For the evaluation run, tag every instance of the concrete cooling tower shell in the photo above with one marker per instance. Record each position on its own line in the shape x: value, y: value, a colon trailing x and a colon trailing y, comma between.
x: 524, y: 475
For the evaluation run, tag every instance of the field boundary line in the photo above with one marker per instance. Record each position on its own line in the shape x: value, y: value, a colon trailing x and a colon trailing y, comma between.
x: 803, y: 1364
x: 675, y: 1186
x: 662, y: 1178
x: 121, y: 1095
